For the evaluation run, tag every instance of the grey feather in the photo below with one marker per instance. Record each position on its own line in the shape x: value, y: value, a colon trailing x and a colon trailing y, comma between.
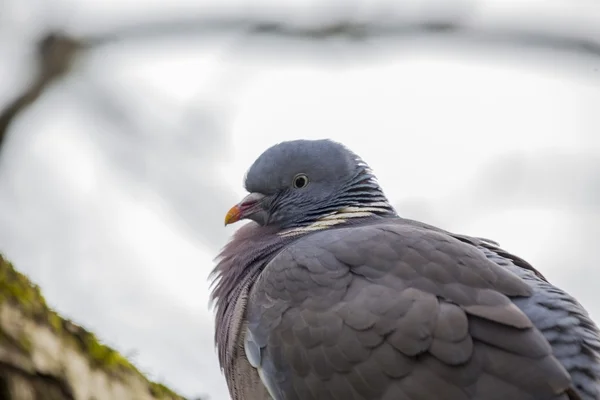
x: 567, y: 326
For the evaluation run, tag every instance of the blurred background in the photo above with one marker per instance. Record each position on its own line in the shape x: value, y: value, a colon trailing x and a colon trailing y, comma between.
x: 126, y: 128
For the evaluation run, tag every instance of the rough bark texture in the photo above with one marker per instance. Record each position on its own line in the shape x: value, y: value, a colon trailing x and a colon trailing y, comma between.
x: 45, y: 357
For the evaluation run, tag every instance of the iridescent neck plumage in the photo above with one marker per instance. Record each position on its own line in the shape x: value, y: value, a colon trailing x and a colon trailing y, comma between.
x: 360, y: 197
x: 240, y: 262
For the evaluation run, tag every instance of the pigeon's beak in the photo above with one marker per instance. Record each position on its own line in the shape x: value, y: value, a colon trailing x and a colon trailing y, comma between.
x: 249, y: 206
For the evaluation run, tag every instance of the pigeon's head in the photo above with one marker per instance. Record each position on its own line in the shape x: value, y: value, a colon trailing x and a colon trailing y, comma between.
x: 297, y: 182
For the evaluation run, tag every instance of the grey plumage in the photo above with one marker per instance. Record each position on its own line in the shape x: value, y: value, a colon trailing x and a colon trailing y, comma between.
x: 328, y: 294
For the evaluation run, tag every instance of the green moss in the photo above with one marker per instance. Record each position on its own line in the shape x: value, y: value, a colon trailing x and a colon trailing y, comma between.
x: 25, y: 344
x: 18, y: 290
x: 160, y: 391
x: 102, y: 355
x: 55, y: 322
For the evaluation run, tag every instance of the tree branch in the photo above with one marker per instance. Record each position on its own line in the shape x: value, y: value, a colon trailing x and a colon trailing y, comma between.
x: 543, y: 35
x: 56, y: 53
x: 535, y: 30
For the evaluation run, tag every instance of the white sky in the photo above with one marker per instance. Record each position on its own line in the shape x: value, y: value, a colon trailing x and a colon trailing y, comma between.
x: 429, y: 120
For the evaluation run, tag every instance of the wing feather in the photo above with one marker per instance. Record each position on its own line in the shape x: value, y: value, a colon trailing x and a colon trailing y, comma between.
x: 397, y: 311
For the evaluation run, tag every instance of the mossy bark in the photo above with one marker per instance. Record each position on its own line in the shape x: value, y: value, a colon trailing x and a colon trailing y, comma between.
x: 44, y: 356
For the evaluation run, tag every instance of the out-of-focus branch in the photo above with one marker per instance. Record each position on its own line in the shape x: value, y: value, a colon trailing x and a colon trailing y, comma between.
x: 543, y: 35
x: 55, y: 55
x: 554, y: 30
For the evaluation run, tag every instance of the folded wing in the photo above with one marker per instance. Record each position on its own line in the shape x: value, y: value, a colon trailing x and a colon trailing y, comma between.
x: 396, y: 312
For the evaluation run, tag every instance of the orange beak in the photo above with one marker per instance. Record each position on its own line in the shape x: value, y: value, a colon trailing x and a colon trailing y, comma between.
x: 233, y: 215
x: 248, y: 206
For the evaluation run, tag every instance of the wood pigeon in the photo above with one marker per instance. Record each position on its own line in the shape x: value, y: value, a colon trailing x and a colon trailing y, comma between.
x: 327, y: 293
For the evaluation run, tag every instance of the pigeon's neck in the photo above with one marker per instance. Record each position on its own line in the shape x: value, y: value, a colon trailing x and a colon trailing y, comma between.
x: 240, y: 263
x: 360, y: 198
x: 343, y: 216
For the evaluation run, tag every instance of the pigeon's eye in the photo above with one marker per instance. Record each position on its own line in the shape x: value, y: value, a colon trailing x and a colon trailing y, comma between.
x: 300, y: 181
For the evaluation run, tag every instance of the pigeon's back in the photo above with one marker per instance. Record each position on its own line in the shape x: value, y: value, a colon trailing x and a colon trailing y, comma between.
x: 391, y: 310
x: 574, y: 337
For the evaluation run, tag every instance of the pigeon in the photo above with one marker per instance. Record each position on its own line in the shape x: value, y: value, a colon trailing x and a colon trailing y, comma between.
x: 327, y: 293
